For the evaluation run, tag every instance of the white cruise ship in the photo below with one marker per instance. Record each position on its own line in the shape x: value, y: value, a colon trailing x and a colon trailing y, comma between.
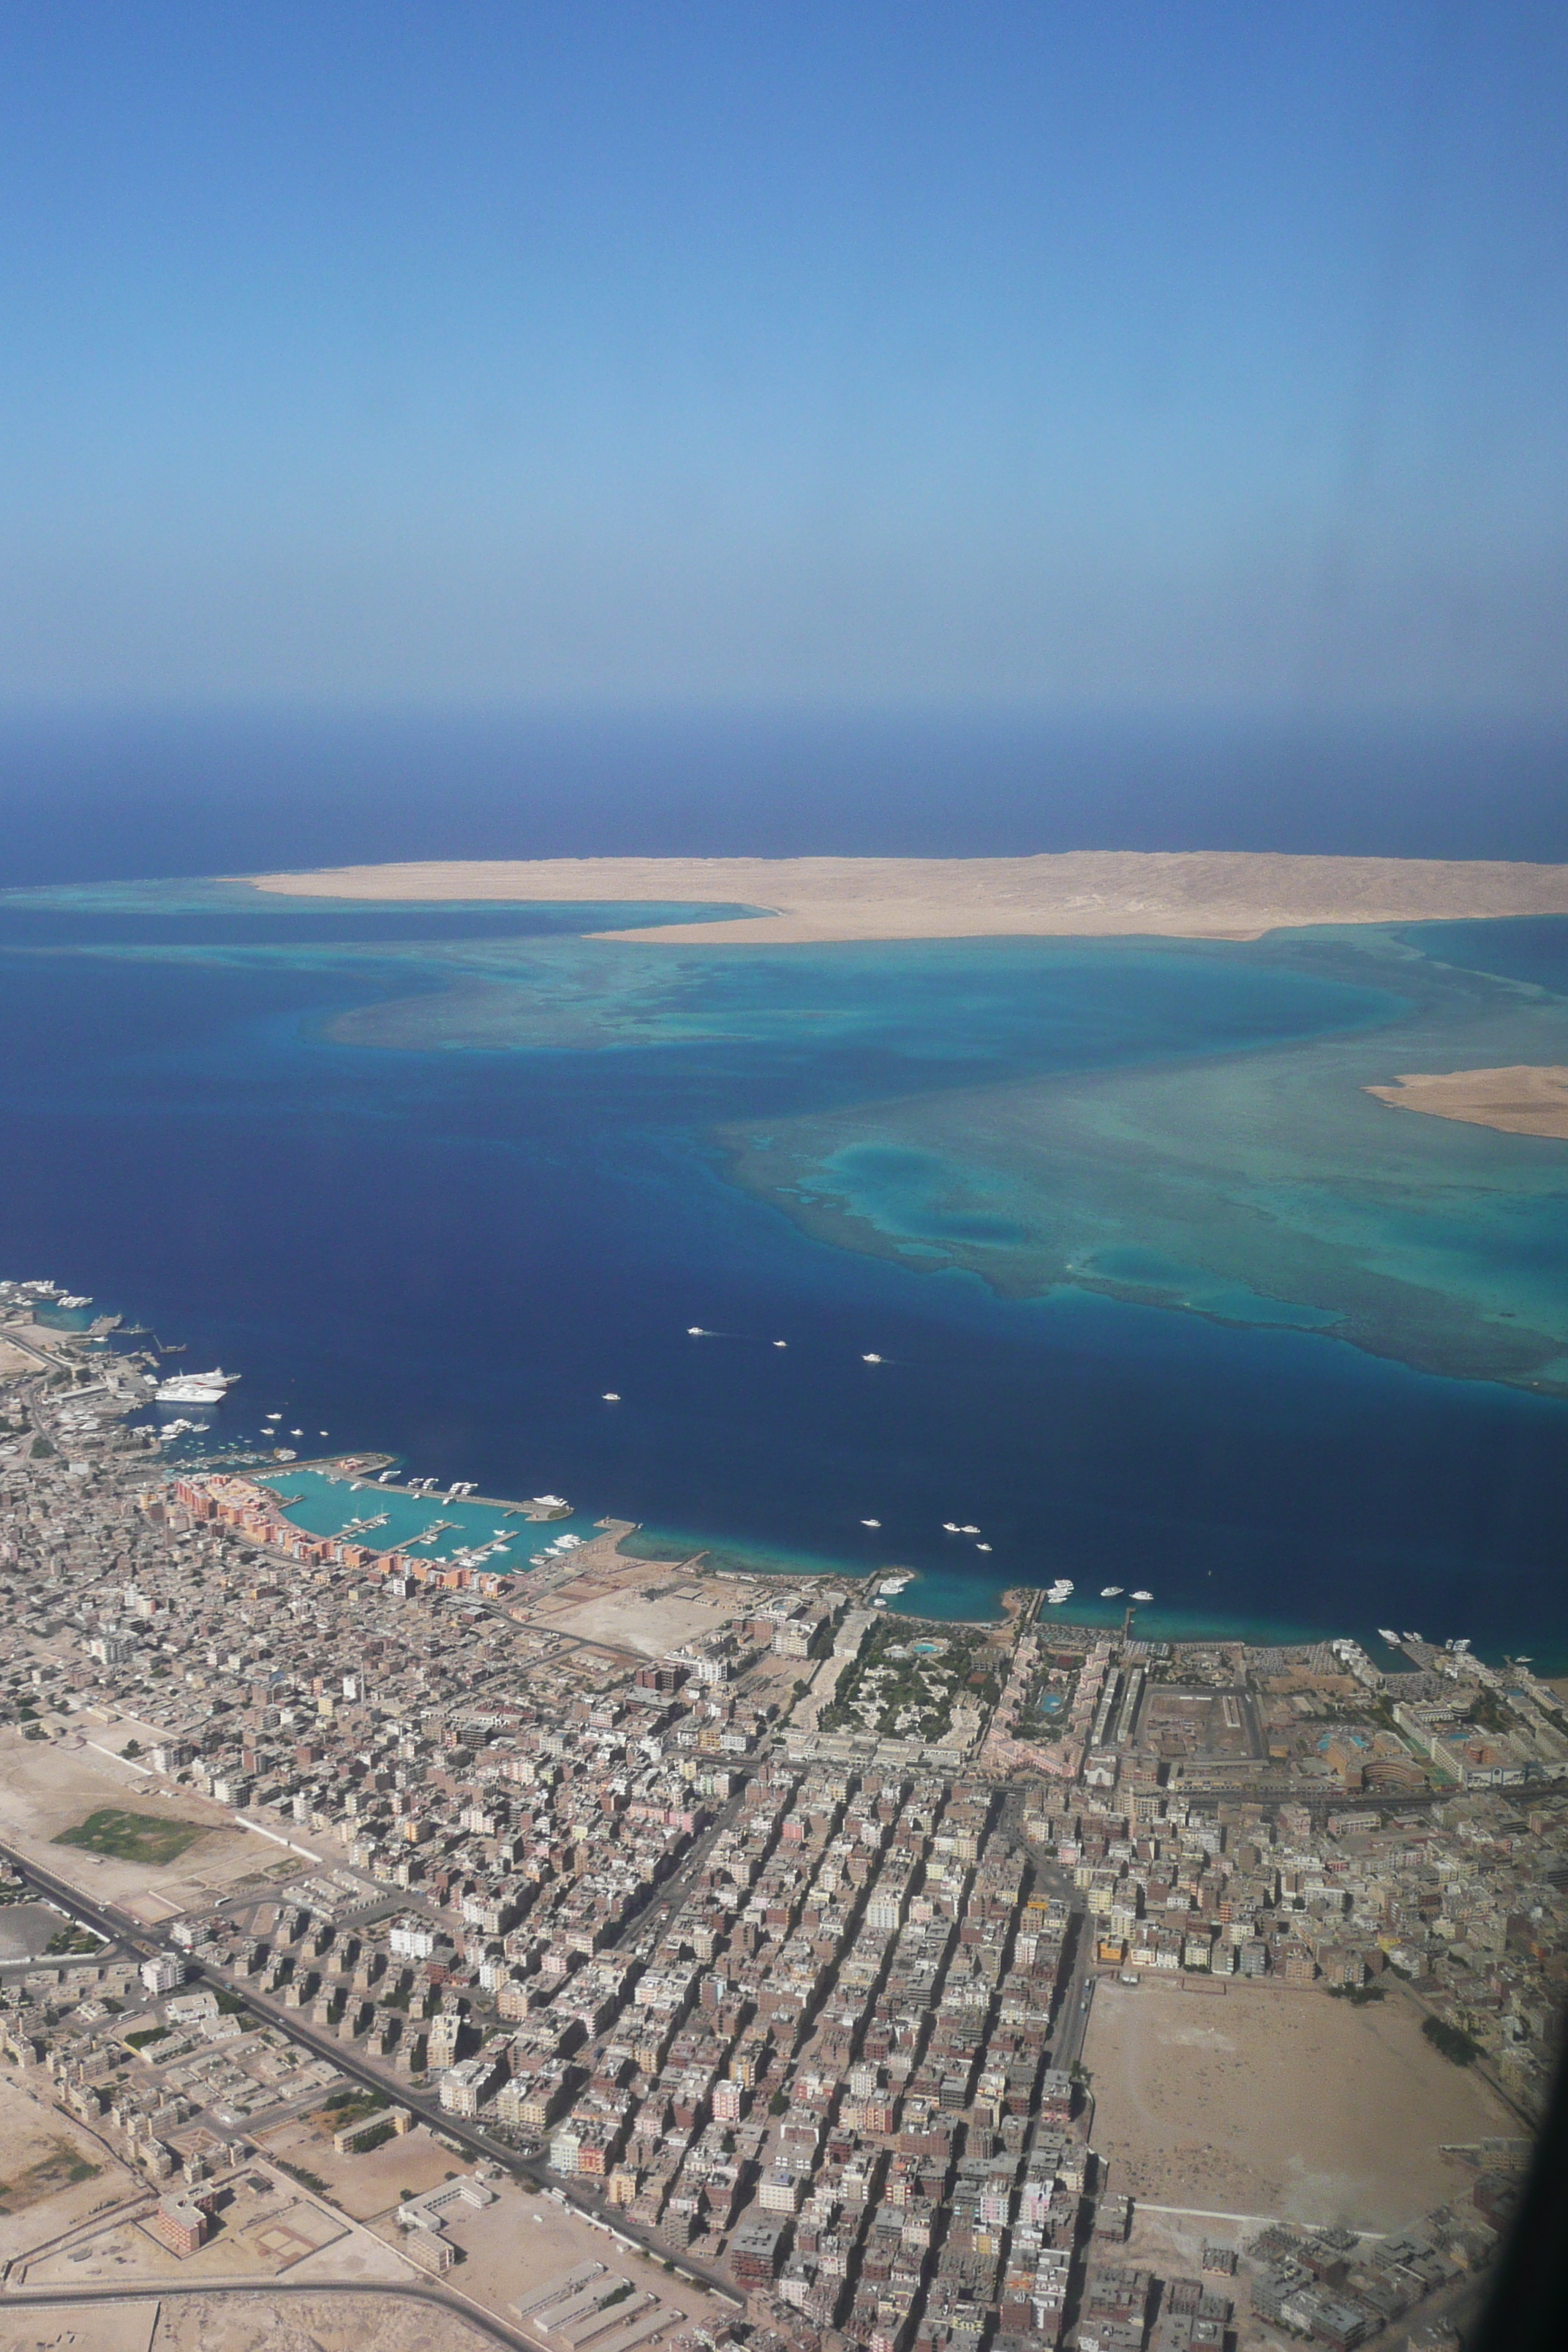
x: 196, y: 1388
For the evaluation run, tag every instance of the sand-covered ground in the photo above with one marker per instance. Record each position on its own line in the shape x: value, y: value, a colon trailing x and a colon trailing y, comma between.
x: 279, y: 2322
x: 46, y: 1787
x: 1281, y: 2104
x: 1524, y: 1101
x: 624, y: 1620
x: 80, y: 2327
x: 54, y: 2173
x: 522, y: 2244
x: 1218, y: 894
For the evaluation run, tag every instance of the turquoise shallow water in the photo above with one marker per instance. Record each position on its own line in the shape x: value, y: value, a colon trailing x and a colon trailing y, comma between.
x: 1160, y: 1297
x: 429, y: 1526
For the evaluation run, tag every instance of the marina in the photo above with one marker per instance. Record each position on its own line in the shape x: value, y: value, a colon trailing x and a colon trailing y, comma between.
x: 329, y: 1500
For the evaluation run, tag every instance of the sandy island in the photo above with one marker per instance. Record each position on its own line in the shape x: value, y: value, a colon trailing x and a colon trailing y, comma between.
x: 1082, y: 894
x: 1525, y: 1100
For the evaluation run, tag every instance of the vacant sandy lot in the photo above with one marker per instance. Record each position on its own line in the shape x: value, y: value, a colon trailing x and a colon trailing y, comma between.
x: 288, y: 2323
x: 46, y: 1787
x: 1083, y: 894
x: 625, y: 1621
x: 521, y: 2243
x: 1279, y: 2103
x: 80, y: 2327
x: 366, y: 2185
x: 39, y: 2149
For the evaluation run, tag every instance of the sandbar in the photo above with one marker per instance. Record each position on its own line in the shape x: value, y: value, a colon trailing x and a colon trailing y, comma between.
x: 1077, y: 894
x: 1527, y: 1100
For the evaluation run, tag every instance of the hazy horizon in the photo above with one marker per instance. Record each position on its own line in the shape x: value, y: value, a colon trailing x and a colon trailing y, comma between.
x: 1137, y: 357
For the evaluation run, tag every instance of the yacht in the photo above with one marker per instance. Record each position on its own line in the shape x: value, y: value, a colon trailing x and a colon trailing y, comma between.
x: 1111, y: 1592
x: 969, y: 1531
x: 781, y: 1343
x: 870, y: 1523
x: 1141, y: 1595
x: 872, y: 1359
x: 612, y: 1396
x: 695, y: 1332
x: 1386, y: 1634
x: 196, y: 1388
x: 982, y: 1547
x: 951, y: 1528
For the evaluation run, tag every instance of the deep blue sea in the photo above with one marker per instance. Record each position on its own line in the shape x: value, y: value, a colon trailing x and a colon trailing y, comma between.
x: 451, y: 1250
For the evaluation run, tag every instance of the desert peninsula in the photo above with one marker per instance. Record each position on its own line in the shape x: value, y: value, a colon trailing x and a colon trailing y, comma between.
x: 1529, y: 1099
x: 1077, y: 894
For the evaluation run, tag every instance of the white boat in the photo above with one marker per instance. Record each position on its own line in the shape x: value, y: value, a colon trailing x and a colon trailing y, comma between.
x: 872, y: 1359
x: 695, y: 1332
x: 196, y: 1388
x: 1141, y: 1595
x: 969, y: 1531
x: 1386, y: 1634
x: 1111, y: 1592
x: 550, y: 1502
x: 781, y: 1343
x: 982, y: 1547
x: 612, y: 1396
x: 951, y: 1528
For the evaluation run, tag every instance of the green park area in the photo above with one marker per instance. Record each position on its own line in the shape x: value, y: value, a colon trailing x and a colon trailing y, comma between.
x: 119, y: 1836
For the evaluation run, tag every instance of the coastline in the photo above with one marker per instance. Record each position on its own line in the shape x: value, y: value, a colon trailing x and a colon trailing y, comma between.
x: 471, y: 1553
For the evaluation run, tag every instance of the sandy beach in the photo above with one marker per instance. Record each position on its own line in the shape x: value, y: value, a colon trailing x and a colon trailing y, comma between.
x: 1085, y: 894
x: 1524, y: 1101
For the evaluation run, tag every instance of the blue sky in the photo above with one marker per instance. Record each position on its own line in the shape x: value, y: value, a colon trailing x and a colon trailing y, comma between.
x: 1141, y: 356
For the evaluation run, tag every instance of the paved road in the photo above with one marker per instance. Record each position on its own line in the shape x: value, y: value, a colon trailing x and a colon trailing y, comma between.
x: 437, y: 2298
x: 343, y: 2056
